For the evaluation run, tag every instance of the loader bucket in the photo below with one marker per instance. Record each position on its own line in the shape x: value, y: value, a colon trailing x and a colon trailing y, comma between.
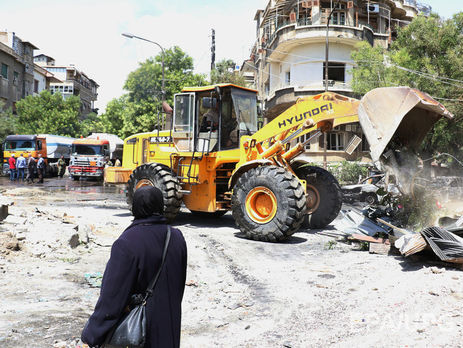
x: 401, y: 114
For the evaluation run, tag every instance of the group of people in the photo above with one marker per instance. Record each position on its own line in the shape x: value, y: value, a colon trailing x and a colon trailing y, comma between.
x: 26, y: 169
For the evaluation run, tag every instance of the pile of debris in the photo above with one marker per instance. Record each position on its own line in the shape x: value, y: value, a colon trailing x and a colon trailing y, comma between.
x: 384, y: 237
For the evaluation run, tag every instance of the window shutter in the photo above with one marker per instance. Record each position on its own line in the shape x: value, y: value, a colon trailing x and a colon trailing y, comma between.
x: 292, y: 16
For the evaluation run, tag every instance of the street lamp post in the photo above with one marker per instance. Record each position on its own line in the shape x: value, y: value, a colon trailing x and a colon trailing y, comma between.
x: 163, y: 92
x: 131, y: 36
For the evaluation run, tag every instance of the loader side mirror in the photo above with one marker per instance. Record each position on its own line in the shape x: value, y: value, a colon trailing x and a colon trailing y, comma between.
x: 209, y: 103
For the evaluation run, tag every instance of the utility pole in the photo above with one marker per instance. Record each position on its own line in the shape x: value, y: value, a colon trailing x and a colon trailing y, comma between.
x: 213, y: 50
x: 327, y: 44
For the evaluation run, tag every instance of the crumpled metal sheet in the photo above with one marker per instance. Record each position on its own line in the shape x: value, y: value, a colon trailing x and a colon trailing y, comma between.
x: 446, y: 245
x: 403, y: 113
x: 355, y: 222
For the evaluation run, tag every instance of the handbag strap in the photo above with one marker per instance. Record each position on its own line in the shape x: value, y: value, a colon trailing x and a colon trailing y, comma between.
x: 149, y: 290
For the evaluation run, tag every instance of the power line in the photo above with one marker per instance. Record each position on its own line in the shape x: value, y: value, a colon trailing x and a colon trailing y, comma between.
x: 427, y: 75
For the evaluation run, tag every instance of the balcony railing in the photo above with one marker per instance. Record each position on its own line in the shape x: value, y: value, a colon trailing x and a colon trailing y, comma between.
x: 268, y: 39
x: 309, y: 86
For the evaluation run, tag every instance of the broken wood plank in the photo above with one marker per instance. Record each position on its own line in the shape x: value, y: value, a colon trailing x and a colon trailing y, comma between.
x: 396, y: 229
x: 363, y: 238
x: 380, y: 249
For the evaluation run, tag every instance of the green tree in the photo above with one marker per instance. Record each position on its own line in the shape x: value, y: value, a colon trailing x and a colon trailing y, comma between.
x: 49, y: 113
x: 427, y: 55
x: 139, y: 110
x: 224, y: 72
x: 145, y: 83
x: 92, y: 123
x: 7, y: 122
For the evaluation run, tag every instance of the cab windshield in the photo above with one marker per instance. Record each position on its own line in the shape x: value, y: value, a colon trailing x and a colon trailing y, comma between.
x: 21, y: 145
x: 84, y: 149
x: 245, y: 107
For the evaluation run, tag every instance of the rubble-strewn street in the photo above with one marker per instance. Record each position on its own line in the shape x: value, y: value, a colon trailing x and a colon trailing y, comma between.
x: 310, y: 291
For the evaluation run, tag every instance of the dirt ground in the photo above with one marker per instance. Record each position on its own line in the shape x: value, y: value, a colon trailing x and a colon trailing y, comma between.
x: 308, y: 292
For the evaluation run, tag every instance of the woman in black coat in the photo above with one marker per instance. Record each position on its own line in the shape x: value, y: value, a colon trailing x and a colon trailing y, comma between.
x: 135, y: 258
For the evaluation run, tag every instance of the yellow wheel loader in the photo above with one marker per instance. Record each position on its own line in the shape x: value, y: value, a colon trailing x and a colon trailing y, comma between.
x: 215, y: 159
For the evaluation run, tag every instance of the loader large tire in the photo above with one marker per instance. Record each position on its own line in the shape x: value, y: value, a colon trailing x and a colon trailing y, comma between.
x: 268, y: 204
x: 324, y: 195
x: 161, y: 177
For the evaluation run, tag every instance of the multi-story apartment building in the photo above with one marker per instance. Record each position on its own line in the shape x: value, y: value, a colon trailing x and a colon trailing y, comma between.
x: 288, y: 58
x: 16, y: 69
x: 70, y: 81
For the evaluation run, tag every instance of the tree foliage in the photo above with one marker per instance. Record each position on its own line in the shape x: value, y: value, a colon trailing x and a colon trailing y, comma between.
x: 224, y: 72
x: 431, y: 51
x: 7, y: 122
x: 139, y: 110
x: 49, y: 113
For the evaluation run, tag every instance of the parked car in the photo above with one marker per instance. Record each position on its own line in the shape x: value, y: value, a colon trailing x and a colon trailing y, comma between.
x: 365, y: 191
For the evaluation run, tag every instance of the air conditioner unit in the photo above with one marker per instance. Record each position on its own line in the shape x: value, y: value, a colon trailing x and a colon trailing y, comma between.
x: 373, y: 8
x: 306, y: 4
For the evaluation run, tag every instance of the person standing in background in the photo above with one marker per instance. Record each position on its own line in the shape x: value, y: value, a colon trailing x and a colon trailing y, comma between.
x: 40, y: 168
x: 61, y: 167
x: 21, y: 166
x: 12, y: 164
x: 31, y: 169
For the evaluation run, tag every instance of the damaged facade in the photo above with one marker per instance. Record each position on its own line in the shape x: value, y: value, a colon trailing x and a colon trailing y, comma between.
x: 16, y: 69
x: 23, y: 74
x: 287, y: 60
x: 70, y: 81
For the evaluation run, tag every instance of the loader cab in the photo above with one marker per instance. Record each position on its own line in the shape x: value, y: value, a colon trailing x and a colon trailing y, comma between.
x: 213, y: 118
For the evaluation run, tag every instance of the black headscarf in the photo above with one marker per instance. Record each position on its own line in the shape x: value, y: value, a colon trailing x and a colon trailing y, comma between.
x: 147, y: 201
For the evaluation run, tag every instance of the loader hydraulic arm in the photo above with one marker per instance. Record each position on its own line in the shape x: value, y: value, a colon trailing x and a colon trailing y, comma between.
x: 317, y: 114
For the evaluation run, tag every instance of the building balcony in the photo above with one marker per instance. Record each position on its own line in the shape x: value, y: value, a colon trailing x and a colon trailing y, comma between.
x: 282, y: 96
x: 309, y: 86
x: 291, y: 35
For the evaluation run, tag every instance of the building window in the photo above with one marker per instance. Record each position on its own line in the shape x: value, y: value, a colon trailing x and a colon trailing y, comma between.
x: 305, y: 14
x: 5, y: 71
x: 15, y: 78
x: 335, y: 141
x: 36, y: 86
x: 267, y: 88
x: 288, y: 77
x: 336, y: 71
x: 338, y: 18
x: 339, y: 14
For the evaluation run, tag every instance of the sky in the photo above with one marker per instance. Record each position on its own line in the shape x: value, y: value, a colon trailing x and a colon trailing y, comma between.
x: 87, y: 33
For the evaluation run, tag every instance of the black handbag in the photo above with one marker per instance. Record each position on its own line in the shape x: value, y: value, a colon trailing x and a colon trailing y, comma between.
x: 130, y: 331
